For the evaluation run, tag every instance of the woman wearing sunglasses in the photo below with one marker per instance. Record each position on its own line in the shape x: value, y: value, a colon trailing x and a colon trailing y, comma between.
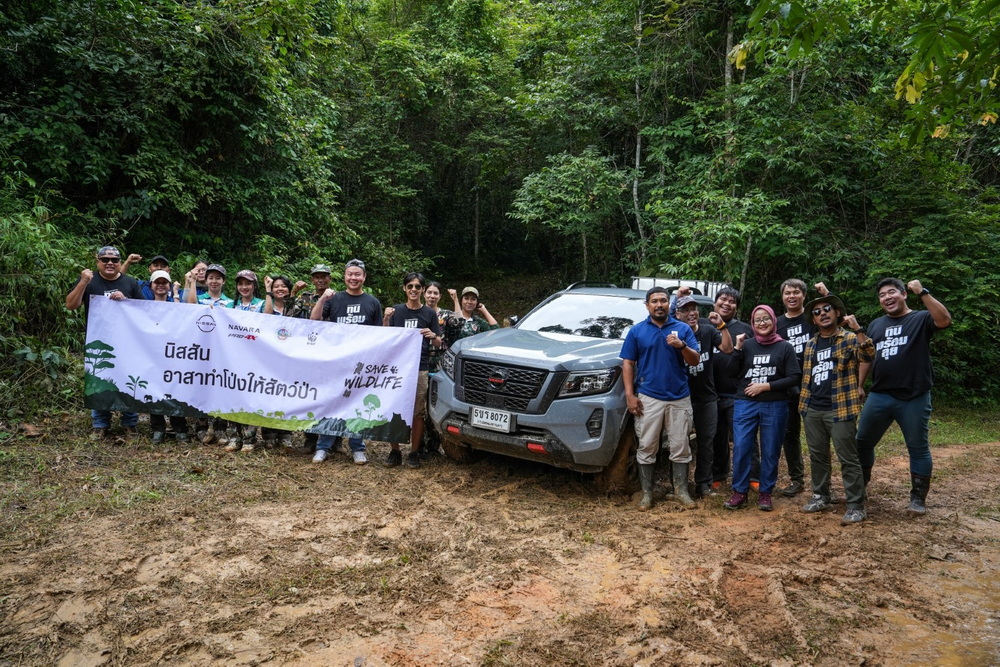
x: 766, y: 368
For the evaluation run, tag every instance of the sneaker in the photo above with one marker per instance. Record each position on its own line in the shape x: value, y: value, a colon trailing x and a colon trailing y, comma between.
x: 320, y: 456
x: 705, y: 491
x: 286, y: 441
x: 204, y: 437
x: 182, y: 437
x: 158, y: 437
x: 413, y: 460
x: 755, y: 485
x: 234, y: 446
x: 99, y: 434
x: 793, y: 489
x: 360, y: 458
x: 853, y: 516
x: 394, y: 459
x: 736, y: 501
x: 248, y: 447
x: 815, y: 504
x: 764, y: 502
x: 222, y: 439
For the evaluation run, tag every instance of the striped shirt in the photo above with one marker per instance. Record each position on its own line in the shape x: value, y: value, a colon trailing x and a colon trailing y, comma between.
x: 847, y: 353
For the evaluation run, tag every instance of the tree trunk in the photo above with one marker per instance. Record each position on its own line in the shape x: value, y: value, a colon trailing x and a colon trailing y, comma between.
x: 746, y: 264
x: 583, y: 236
x: 475, y: 231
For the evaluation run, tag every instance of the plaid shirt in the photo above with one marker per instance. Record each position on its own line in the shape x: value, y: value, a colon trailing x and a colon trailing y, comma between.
x: 846, y: 353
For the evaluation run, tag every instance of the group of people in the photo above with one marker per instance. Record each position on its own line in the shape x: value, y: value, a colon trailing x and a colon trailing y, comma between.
x: 204, y: 284
x: 757, y: 383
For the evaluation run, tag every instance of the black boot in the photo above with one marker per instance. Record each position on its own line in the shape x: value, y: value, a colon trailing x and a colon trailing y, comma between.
x: 920, y: 485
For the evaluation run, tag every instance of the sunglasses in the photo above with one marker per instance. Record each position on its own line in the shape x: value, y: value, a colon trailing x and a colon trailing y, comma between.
x: 108, y: 260
x: 825, y: 308
x: 416, y: 286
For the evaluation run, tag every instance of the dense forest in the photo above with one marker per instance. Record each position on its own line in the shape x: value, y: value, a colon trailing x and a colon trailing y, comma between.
x: 588, y: 140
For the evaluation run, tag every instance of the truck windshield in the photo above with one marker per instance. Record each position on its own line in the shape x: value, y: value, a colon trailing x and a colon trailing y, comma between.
x: 590, y: 315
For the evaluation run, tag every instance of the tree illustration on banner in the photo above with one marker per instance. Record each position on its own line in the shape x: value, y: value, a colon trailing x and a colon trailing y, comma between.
x: 358, y: 424
x: 135, y: 383
x: 96, y: 356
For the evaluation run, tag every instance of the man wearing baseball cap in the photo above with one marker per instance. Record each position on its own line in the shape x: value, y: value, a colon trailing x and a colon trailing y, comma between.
x: 830, y: 401
x: 111, y: 283
x: 305, y: 301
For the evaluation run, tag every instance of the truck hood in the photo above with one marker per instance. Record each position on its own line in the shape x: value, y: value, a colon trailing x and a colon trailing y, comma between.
x: 553, y: 351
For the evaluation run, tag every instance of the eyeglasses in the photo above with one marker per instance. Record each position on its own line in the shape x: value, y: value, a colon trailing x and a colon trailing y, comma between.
x: 767, y: 321
x: 108, y: 260
x: 825, y: 308
x: 416, y: 286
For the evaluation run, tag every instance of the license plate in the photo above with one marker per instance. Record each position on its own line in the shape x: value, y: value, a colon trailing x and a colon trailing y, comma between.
x: 495, y: 420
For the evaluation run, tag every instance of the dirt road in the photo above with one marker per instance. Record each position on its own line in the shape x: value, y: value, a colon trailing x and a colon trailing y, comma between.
x: 132, y: 555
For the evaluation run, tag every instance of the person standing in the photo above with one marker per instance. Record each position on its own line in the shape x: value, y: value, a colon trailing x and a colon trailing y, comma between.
x: 305, y: 301
x: 414, y: 315
x: 161, y: 288
x: 902, y: 377
x: 352, y: 306
x: 830, y: 402
x: 727, y: 303
x: 470, y: 317
x: 712, y: 334
x: 216, y: 429
x: 767, y: 368
x: 655, y: 355
x: 113, y: 284
x: 794, y: 326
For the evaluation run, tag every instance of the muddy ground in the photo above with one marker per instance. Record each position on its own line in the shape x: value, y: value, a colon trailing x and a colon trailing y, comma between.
x: 130, y: 554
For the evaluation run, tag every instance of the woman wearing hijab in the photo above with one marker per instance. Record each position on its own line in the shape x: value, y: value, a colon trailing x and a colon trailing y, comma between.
x: 765, y: 368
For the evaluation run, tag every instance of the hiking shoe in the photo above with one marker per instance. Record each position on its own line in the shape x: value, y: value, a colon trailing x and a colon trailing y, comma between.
x: 413, y: 460
x: 816, y: 504
x: 286, y: 441
x: 736, y: 501
x: 234, y: 447
x: 222, y: 439
x: 320, y: 456
x: 705, y: 491
x: 182, y: 437
x: 360, y: 458
x: 248, y: 447
x: 99, y: 434
x: 853, y: 516
x: 204, y: 437
x: 793, y: 489
x: 755, y: 485
x: 394, y: 459
x: 158, y: 437
x: 764, y: 502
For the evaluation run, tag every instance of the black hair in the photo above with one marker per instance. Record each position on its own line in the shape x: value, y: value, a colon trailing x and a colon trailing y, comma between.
x: 284, y: 279
x: 895, y: 282
x: 413, y: 274
x: 655, y: 290
x: 433, y: 283
x: 730, y: 292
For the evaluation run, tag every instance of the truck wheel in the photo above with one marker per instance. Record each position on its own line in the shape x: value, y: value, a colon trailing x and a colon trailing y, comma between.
x: 459, y: 453
x: 621, y: 475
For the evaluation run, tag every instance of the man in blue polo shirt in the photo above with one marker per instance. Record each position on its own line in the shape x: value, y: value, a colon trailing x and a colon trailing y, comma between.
x: 656, y: 389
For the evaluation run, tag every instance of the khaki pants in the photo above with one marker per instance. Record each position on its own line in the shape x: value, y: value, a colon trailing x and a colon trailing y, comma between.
x: 670, y: 417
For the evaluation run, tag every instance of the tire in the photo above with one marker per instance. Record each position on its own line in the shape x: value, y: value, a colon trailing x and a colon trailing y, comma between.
x: 621, y: 475
x: 459, y: 453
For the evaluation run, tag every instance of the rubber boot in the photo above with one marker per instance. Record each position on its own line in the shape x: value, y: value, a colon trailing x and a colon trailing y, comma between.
x: 866, y: 473
x: 646, y: 480
x: 681, y: 485
x: 920, y: 485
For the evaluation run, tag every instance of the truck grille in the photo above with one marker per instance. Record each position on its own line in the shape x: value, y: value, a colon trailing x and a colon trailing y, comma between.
x: 500, y: 385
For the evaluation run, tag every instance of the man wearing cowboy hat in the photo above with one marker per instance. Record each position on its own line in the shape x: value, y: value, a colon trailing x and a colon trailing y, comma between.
x: 830, y: 401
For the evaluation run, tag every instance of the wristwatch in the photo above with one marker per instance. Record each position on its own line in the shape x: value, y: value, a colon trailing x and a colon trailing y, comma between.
x: 924, y: 292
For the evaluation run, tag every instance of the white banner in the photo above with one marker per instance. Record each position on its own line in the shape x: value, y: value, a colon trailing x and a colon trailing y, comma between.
x: 191, y: 360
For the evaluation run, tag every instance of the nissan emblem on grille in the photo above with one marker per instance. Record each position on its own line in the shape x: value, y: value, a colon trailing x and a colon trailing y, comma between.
x: 497, y: 378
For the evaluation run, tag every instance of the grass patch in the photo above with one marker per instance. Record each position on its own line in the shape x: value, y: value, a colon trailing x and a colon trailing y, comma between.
x: 951, y: 424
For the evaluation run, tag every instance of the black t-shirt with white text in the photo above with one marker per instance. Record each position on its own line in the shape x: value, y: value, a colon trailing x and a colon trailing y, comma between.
x: 701, y: 379
x: 775, y: 364
x: 797, y: 331
x: 344, y: 308
x: 902, y: 365
x: 100, y: 286
x: 821, y: 381
x: 724, y: 384
x: 423, y: 318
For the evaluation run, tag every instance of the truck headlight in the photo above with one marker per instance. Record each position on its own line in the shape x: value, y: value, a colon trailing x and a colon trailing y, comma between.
x: 581, y: 383
x: 448, y: 364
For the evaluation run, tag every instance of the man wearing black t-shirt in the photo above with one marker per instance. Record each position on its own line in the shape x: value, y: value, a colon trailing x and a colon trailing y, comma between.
x: 712, y: 334
x: 796, y: 328
x: 111, y: 283
x: 902, y: 377
x: 352, y: 306
x: 415, y: 315
x: 727, y: 302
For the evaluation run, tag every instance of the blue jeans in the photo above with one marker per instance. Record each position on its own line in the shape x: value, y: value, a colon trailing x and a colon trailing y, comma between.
x: 325, y: 442
x: 102, y: 418
x: 913, y: 417
x: 750, y: 418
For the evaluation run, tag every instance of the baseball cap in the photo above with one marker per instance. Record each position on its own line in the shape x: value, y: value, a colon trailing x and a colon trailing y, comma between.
x: 218, y: 268
x: 355, y: 262
x: 109, y: 251
x: 322, y: 268
x: 160, y: 258
x: 248, y: 274
x: 470, y: 290
x: 684, y: 300
x: 156, y: 275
